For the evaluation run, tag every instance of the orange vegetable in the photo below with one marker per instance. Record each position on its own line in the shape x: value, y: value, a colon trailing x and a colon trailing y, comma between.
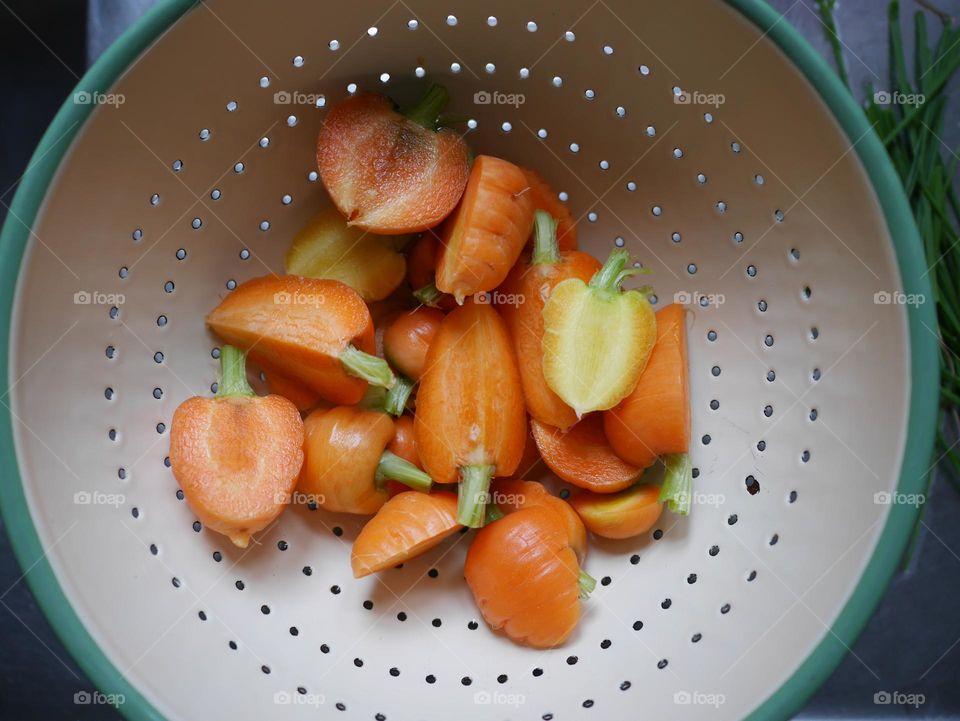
x: 347, y: 463
x: 237, y: 455
x: 531, y: 283
x: 582, y: 456
x: 619, y: 515
x: 654, y: 419
x: 407, y: 339
x: 511, y: 495
x: 422, y: 261
x: 404, y: 443
x: 524, y: 571
x: 484, y: 236
x: 389, y: 173
x: 545, y: 198
x: 302, y: 397
x: 531, y: 464
x: 317, y: 332
x: 406, y: 526
x: 470, y: 420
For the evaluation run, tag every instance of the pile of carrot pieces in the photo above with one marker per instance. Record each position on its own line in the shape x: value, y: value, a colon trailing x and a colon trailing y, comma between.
x: 431, y: 425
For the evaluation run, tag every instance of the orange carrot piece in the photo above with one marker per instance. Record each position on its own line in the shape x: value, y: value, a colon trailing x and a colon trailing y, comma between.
x: 582, y: 456
x: 525, y: 577
x: 484, y: 236
x: 626, y: 514
x: 531, y: 281
x: 404, y: 443
x: 470, y: 417
x: 422, y: 261
x: 237, y: 455
x: 405, y: 526
x: 302, y: 327
x: 407, y: 339
x: 388, y: 173
x: 546, y: 198
x: 345, y: 457
x: 654, y: 419
x: 513, y: 495
x: 301, y: 396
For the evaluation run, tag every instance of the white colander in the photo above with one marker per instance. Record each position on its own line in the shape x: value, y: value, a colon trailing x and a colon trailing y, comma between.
x: 704, y: 136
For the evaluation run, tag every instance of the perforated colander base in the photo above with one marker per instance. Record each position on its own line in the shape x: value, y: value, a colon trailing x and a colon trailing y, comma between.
x: 755, y: 210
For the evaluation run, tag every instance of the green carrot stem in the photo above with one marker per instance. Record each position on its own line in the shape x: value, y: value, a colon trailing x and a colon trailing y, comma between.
x: 473, y: 494
x: 373, y: 370
x: 493, y: 514
x: 611, y: 275
x: 586, y: 583
x: 677, y: 487
x: 233, y: 373
x: 429, y: 295
x: 395, y: 402
x: 546, y: 250
x: 432, y: 103
x: 393, y: 467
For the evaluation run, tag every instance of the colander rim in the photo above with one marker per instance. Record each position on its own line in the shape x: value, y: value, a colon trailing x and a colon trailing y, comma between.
x: 924, y: 360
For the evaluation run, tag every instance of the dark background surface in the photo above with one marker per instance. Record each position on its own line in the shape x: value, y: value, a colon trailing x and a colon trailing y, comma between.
x: 911, y: 645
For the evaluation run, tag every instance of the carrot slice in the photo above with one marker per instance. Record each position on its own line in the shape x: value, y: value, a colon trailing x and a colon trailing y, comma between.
x: 619, y: 515
x: 546, y: 198
x: 583, y: 456
x: 406, y: 526
x: 470, y: 416
x: 318, y: 332
x: 301, y: 396
x: 237, y: 455
x: 531, y: 282
x: 513, y: 495
x: 387, y: 173
x: 654, y: 419
x: 484, y: 236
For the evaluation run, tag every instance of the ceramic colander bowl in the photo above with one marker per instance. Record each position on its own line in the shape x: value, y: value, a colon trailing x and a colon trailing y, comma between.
x: 702, y: 135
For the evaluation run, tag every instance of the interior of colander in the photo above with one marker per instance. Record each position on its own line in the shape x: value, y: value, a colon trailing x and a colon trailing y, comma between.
x: 675, y: 130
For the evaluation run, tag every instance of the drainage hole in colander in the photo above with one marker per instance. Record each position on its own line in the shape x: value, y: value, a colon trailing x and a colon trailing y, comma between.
x: 137, y: 235
x: 714, y: 550
x: 634, y: 559
x: 813, y: 414
x: 466, y: 680
x: 637, y: 625
x: 181, y: 253
x: 752, y: 271
x: 666, y: 603
x: 202, y: 616
x: 762, y: 305
x: 606, y: 643
x: 792, y: 498
x: 135, y: 512
x: 752, y: 484
x: 696, y: 637
x: 294, y: 631
x: 122, y: 474
x: 155, y: 199
x: 692, y: 578
x: 335, y: 589
x: 661, y: 664
x: 233, y: 645
x: 768, y: 411
x: 714, y: 404
x: 779, y: 215
x: 324, y: 648
x: 657, y: 535
x: 774, y: 539
x: 731, y: 521
x: 606, y: 581
x: 715, y: 371
x: 240, y: 585
x: 180, y: 495
x: 153, y: 549
x: 112, y: 434
x: 108, y: 393
x: 752, y: 576
x: 706, y: 439
x: 572, y: 660
x: 175, y: 581
x: 265, y: 610
x: 761, y: 446
x: 123, y: 272
x: 217, y: 556
x: 430, y: 678
x: 265, y: 669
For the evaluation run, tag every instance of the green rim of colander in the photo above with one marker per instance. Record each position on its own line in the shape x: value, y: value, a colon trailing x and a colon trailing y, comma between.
x: 924, y: 366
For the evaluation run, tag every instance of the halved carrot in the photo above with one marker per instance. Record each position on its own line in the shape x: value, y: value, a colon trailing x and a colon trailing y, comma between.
x: 511, y: 495
x: 654, y: 419
x: 619, y: 515
x: 545, y: 198
x: 485, y: 235
x: 407, y: 340
x: 347, y: 462
x: 526, y: 578
x: 237, y: 455
x: 470, y: 417
x: 582, y: 456
x: 301, y: 396
x: 596, y: 337
x: 405, y: 526
x: 327, y: 247
x: 404, y: 443
x: 532, y: 283
x: 389, y: 173
x: 318, y: 332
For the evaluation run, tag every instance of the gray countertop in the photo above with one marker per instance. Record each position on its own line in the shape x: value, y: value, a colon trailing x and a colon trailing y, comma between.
x: 911, y: 645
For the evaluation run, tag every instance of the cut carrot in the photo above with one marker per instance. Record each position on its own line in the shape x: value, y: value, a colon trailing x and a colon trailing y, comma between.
x: 470, y: 418
x: 347, y: 463
x: 318, y: 332
x: 422, y: 261
x: 583, y: 456
x: 531, y: 464
x: 596, y: 338
x: 545, y: 198
x: 511, y: 495
x: 407, y: 339
x: 625, y: 514
x: 485, y: 235
x: 654, y: 419
x: 237, y: 455
x: 301, y: 396
x: 326, y: 247
x: 388, y: 173
x: 525, y: 577
x: 531, y: 281
x: 404, y: 443
x: 404, y: 527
